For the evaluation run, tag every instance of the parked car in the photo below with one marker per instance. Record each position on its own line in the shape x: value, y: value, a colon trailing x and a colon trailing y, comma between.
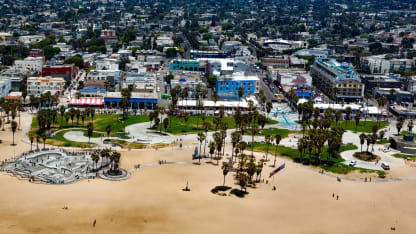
x: 353, y: 163
x: 385, y: 166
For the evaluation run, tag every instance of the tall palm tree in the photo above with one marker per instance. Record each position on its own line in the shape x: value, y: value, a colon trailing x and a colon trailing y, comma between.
x: 206, y: 126
x: 362, y: 140
x: 211, y: 147
x: 235, y: 139
x: 90, y: 130
x: 277, y: 140
x: 31, y: 142
x: 44, y: 137
x: 254, y: 131
x: 37, y: 142
x: 225, y: 168
x: 201, y: 138
x: 14, y: 127
x: 410, y: 126
x: 357, y: 120
x: 95, y: 158
x: 268, y: 139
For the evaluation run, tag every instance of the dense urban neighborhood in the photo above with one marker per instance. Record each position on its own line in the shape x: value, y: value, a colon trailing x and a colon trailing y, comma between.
x: 127, y: 116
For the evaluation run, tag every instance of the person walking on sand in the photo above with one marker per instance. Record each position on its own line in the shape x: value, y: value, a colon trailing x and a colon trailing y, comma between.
x: 94, y: 223
x: 337, y: 197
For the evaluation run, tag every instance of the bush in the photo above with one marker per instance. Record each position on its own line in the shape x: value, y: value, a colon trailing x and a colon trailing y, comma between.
x: 239, y: 193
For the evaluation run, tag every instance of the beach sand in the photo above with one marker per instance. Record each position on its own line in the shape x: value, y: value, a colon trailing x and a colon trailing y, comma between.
x: 152, y: 201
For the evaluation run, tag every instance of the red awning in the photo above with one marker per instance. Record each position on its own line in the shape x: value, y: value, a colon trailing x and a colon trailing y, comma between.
x: 86, y: 101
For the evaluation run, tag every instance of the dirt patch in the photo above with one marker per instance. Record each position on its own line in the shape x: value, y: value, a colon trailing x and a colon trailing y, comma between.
x: 366, y: 156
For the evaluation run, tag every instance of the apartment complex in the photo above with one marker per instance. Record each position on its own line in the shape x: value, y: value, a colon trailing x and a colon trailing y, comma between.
x: 338, y: 81
x: 228, y: 86
x: 39, y: 85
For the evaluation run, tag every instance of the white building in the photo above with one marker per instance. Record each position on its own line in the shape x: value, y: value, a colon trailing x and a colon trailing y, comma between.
x: 33, y: 64
x: 164, y: 41
x: 31, y: 39
x: 40, y: 85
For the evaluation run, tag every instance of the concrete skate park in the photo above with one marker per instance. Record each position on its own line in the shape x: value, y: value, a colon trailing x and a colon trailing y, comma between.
x: 54, y: 166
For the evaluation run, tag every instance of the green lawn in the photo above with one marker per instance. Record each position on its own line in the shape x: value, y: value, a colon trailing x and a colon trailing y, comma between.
x: 411, y: 156
x: 333, y: 164
x: 273, y: 132
x: 100, y: 123
x: 177, y: 125
x: 363, y: 126
x: 118, y: 125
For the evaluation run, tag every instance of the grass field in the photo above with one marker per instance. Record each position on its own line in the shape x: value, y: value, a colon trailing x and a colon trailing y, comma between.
x: 177, y: 125
x: 363, y: 126
x: 100, y: 123
x: 273, y: 132
x: 331, y: 164
x: 405, y: 156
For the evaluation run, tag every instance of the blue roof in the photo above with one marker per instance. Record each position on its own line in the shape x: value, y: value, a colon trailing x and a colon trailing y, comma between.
x: 182, y: 79
x: 303, y: 93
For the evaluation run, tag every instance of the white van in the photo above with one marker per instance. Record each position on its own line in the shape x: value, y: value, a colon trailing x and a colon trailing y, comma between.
x: 385, y: 166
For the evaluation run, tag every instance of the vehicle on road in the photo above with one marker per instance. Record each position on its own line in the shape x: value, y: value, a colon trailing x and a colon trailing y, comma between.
x: 385, y: 166
x: 353, y: 163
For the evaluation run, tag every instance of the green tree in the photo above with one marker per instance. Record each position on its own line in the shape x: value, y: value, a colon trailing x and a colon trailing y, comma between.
x: 225, y: 168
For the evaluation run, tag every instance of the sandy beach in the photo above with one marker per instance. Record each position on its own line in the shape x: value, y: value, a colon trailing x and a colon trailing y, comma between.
x: 152, y: 201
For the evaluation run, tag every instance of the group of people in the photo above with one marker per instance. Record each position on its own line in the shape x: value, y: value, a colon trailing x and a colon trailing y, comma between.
x: 162, y: 162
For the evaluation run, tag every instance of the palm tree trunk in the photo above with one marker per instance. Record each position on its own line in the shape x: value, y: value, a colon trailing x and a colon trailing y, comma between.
x: 275, y: 155
x: 223, y: 184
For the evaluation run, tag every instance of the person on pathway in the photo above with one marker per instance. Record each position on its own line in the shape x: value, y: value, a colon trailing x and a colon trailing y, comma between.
x: 337, y: 197
x: 94, y: 223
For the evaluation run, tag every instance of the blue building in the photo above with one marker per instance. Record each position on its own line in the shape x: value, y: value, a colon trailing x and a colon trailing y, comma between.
x: 137, y: 100
x: 184, y: 64
x: 227, y: 87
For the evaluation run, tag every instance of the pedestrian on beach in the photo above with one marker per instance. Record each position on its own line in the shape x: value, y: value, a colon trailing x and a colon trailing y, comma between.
x: 94, y: 223
x: 333, y: 195
x: 337, y: 197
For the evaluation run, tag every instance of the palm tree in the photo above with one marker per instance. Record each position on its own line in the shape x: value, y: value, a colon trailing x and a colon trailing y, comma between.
x: 37, y: 142
x: 90, y: 129
x: 259, y: 169
x: 251, y: 169
x: 410, y: 127
x: 95, y: 158
x: 399, y: 124
x: 362, y: 140
x: 31, y: 142
x: 225, y: 168
x: 348, y: 111
x: 277, y: 140
x: 268, y: 139
x: 381, y: 101
x: 235, y: 139
x: 242, y: 180
x: 14, y: 127
x: 201, y: 138
x: 44, y: 137
x: 357, y: 120
x: 211, y: 147
x: 206, y: 126
x: 337, y: 116
x: 269, y: 107
x: 301, y: 147
x: 254, y: 131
